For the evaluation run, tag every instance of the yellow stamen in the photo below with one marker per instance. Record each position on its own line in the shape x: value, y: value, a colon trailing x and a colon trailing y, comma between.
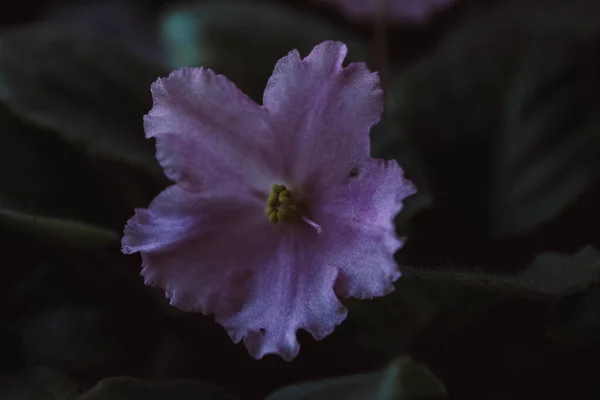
x: 273, y: 200
x: 286, y: 201
x: 287, y: 211
x: 280, y: 204
x: 273, y: 218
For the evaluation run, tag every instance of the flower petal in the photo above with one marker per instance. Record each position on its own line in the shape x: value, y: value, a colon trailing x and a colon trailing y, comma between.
x: 361, y: 214
x: 323, y: 113
x: 169, y: 218
x: 263, y: 282
x: 294, y: 292
x: 207, y: 131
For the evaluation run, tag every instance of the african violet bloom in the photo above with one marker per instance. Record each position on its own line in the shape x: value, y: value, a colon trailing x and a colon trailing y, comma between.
x: 276, y: 209
x: 408, y: 11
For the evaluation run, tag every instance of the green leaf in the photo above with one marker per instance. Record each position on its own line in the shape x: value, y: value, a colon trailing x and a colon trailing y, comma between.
x: 243, y: 41
x: 388, y: 325
x: 502, y: 118
x: 403, y: 379
x: 38, y: 383
x: 548, y: 153
x: 47, y: 189
x: 11, y: 347
x: 439, y: 301
x: 574, y: 321
x: 88, y: 88
x: 63, y: 230
x: 550, y: 275
x: 125, y: 388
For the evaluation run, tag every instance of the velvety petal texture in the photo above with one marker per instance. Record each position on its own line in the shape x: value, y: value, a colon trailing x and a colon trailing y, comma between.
x: 206, y: 239
x: 326, y: 112
x: 406, y: 11
x: 207, y: 131
x: 356, y: 218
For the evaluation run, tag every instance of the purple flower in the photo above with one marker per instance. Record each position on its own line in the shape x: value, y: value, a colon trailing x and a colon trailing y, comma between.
x: 276, y: 209
x: 407, y: 11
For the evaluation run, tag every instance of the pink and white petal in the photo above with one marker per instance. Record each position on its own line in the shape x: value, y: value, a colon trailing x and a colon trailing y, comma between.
x: 361, y: 214
x: 323, y: 113
x: 170, y: 217
x: 177, y: 214
x: 295, y: 291
x: 207, y: 131
x: 366, y: 266
x: 263, y: 282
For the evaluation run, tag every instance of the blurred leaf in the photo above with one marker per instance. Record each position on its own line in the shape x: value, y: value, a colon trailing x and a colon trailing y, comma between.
x: 89, y: 88
x: 70, y: 316
x: 403, y: 379
x: 411, y: 207
x: 77, y: 339
x: 243, y: 40
x: 548, y: 155
x: 48, y: 191
x: 37, y: 383
x: 450, y: 297
x: 125, y: 388
x: 504, y: 122
x: 64, y: 230
x: 129, y: 21
x: 574, y: 13
x: 575, y: 320
x: 11, y: 347
x: 550, y: 275
x: 388, y: 325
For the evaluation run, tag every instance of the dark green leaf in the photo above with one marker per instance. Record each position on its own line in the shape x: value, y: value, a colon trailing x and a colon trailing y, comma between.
x: 73, y: 232
x: 550, y: 275
x: 71, y: 316
x: 403, y: 379
x: 88, y: 88
x: 387, y: 326
x: 47, y: 190
x: 37, y: 383
x: 11, y: 347
x: 575, y: 320
x: 125, y: 388
x: 504, y: 121
x: 243, y: 40
x: 548, y: 153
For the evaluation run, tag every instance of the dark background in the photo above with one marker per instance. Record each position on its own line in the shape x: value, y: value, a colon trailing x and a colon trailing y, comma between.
x: 87, y: 313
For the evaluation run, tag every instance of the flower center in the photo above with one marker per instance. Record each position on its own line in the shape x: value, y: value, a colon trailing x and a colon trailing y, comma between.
x: 280, y: 204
